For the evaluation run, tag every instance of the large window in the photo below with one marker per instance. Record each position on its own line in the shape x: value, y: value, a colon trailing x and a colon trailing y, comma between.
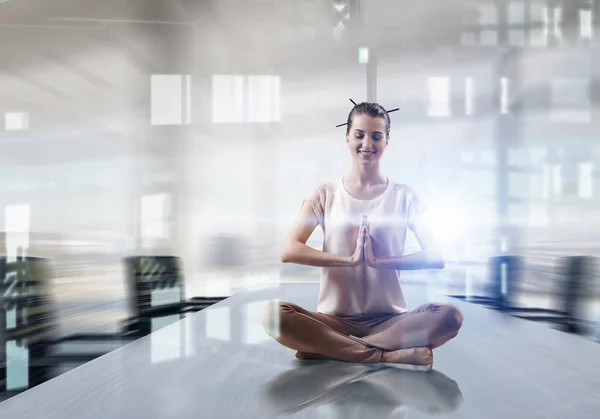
x: 239, y: 98
x: 154, y: 219
x: 538, y: 35
x: 170, y: 99
x: 504, y: 95
x: 571, y: 101
x: 439, y: 96
x: 14, y: 121
x: 586, y: 26
x: 586, y: 179
x: 516, y: 18
x: 17, y: 220
x: 532, y: 23
x: 469, y: 96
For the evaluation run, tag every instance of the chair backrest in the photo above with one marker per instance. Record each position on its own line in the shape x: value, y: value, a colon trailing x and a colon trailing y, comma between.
x: 28, y: 312
x: 153, y: 281
x: 577, y: 274
x: 505, y: 272
x: 28, y: 316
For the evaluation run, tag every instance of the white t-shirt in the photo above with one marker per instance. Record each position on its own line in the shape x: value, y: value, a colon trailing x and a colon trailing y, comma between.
x: 364, y: 290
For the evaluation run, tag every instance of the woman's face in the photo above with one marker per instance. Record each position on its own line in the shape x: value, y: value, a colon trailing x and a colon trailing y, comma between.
x: 367, y: 139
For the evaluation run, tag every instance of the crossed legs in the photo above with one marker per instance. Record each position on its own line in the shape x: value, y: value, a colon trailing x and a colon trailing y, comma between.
x: 428, y: 326
x: 316, y: 333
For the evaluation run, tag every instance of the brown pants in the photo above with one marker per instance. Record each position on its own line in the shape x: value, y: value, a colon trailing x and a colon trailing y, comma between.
x: 360, y: 338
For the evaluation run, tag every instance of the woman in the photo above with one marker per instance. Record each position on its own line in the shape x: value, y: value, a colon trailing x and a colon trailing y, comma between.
x: 361, y: 314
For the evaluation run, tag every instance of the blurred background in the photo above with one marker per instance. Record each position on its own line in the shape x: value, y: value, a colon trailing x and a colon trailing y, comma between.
x: 195, y: 128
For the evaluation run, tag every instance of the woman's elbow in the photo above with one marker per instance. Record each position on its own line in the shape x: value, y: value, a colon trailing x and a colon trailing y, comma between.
x: 285, y: 256
x: 437, y: 261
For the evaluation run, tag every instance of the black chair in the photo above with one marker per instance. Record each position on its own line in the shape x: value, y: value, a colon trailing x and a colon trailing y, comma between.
x: 28, y: 323
x: 505, y: 272
x: 147, y: 278
x: 575, y: 280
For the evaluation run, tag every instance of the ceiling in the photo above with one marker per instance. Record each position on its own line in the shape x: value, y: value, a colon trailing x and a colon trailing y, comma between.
x: 81, y: 68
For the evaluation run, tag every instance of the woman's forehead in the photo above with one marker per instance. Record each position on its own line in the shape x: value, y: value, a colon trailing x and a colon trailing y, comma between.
x: 368, y: 123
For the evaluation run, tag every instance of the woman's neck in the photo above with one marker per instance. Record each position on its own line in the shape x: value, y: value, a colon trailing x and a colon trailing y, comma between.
x: 366, y: 176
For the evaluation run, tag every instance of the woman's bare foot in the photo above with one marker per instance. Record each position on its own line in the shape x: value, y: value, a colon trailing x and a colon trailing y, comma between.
x: 414, y: 356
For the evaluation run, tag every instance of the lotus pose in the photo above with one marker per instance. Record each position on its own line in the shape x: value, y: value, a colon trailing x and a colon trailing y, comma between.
x: 361, y: 314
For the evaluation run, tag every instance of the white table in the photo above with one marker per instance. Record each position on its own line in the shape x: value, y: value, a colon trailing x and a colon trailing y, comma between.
x: 219, y: 363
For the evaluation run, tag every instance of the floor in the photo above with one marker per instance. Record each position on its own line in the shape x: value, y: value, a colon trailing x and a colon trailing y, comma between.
x: 220, y: 363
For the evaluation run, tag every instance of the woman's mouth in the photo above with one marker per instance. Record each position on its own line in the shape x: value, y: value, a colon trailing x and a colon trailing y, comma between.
x: 366, y: 153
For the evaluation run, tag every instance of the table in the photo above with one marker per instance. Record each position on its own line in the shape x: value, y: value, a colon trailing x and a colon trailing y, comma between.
x: 219, y: 363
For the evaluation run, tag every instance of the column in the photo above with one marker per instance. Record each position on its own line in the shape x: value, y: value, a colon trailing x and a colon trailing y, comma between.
x: 372, y: 77
x: 506, y: 133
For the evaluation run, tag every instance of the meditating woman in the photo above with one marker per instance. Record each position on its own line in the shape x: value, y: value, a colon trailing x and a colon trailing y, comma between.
x: 361, y: 314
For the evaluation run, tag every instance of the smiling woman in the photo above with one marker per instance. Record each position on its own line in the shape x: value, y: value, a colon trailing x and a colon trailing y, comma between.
x: 362, y: 315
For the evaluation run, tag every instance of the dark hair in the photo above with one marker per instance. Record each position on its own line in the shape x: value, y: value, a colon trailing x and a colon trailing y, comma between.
x: 374, y: 110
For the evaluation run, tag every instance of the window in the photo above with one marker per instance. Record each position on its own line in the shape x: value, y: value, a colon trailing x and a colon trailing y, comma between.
x: 504, y: 96
x: 363, y: 55
x: 586, y: 173
x: 554, y: 24
x: 17, y: 366
x: 546, y: 182
x: 538, y: 13
x: 518, y: 215
x: 469, y: 99
x: 170, y: 99
x: 538, y: 37
x: 154, y: 216
x: 556, y: 180
x: 516, y: 12
x: 468, y: 39
x: 17, y: 219
x: 570, y: 101
x: 585, y: 24
x: 14, y: 121
x: 228, y: 99
x: 263, y: 98
x: 488, y: 38
x: 519, y: 157
x: 439, y: 96
x: 467, y: 157
x: 488, y: 14
x: 516, y: 37
x: 518, y: 184
x: 246, y: 98
x: 538, y: 216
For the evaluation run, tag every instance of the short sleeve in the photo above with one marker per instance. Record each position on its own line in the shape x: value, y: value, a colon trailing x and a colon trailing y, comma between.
x: 417, y: 214
x: 317, y: 201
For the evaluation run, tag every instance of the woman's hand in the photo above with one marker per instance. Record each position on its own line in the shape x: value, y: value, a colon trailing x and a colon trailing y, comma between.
x: 370, y: 258
x: 359, y: 253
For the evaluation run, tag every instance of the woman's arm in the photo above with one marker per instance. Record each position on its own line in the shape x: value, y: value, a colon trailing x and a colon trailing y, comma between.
x: 296, y: 250
x: 425, y: 259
